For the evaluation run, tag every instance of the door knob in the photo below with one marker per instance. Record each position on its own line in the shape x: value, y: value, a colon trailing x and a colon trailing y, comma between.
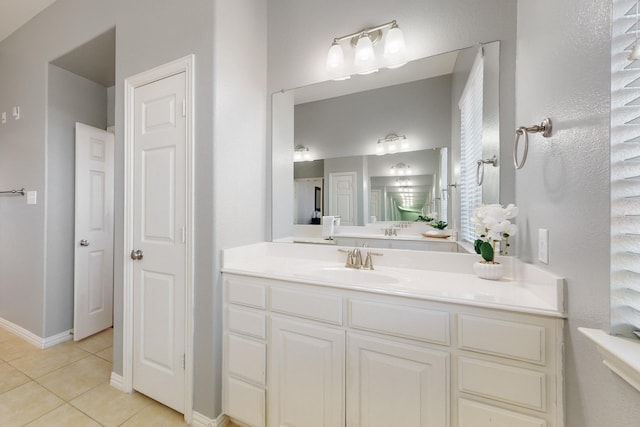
x: 136, y: 255
x: 84, y: 242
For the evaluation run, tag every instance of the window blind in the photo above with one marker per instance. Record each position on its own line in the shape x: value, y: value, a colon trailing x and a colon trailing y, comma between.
x: 625, y: 171
x: 470, y: 105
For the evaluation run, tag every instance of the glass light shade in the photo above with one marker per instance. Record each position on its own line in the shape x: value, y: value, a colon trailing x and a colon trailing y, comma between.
x: 297, y: 156
x: 404, y: 144
x: 306, y: 156
x: 335, y: 58
x: 394, y: 43
x: 635, y: 52
x: 364, y: 57
x: 394, y: 48
x: 380, y: 149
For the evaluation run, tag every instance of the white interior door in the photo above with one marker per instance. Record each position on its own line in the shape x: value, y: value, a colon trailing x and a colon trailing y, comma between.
x: 375, y: 204
x: 159, y: 240
x: 342, y: 200
x: 93, y: 260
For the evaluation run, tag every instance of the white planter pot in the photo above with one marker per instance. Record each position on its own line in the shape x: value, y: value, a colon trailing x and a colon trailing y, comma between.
x: 488, y: 271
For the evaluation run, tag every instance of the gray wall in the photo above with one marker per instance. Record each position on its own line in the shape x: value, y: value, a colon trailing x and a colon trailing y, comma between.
x: 239, y: 154
x: 351, y: 125
x: 71, y: 99
x: 146, y: 36
x: 300, y: 33
x: 564, y: 186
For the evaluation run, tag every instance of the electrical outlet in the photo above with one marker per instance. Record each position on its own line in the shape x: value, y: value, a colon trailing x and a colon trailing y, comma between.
x: 543, y: 245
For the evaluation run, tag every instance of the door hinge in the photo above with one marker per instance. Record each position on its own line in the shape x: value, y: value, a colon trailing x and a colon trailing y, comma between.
x: 184, y: 361
x: 184, y: 108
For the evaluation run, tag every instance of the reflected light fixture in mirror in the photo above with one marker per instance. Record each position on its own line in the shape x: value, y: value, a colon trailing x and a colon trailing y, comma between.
x: 364, y: 58
x: 301, y: 154
x: 400, y: 169
x: 392, y: 143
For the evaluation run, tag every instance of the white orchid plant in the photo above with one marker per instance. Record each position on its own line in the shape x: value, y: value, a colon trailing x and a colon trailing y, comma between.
x: 493, y: 225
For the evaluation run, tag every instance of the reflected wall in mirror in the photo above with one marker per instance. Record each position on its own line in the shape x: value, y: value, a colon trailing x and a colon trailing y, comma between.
x: 341, y: 123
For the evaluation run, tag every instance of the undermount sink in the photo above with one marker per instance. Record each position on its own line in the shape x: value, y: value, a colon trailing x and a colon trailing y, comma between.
x: 351, y: 276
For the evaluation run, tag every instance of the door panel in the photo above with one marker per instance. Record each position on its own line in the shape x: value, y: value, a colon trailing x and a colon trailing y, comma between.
x: 342, y: 200
x: 159, y: 233
x: 399, y: 384
x: 93, y: 270
x: 306, y: 375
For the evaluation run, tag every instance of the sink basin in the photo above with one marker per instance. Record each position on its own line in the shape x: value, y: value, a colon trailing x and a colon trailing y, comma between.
x: 351, y: 276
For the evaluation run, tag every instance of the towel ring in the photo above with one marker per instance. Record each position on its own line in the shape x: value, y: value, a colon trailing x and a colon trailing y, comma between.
x: 480, y: 171
x: 544, y: 128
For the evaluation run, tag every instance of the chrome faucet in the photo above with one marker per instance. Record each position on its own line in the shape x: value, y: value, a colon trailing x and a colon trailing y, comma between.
x: 354, y: 259
x: 368, y: 262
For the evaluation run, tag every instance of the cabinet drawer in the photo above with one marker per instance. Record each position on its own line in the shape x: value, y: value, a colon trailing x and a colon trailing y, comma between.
x: 475, y: 414
x: 252, y: 323
x: 310, y: 305
x: 506, y: 383
x: 246, y: 358
x: 245, y: 402
x: 503, y: 338
x: 399, y: 320
x: 246, y: 292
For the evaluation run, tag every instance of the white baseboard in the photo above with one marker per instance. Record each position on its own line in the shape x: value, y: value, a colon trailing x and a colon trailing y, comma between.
x: 117, y: 381
x: 200, y: 420
x: 33, y: 338
x: 57, y: 339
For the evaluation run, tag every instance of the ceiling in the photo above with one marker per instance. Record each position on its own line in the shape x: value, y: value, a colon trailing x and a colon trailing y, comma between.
x: 16, y: 13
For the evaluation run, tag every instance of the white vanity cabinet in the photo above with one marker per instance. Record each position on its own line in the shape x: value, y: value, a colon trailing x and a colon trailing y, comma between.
x: 306, y: 374
x: 305, y: 355
x: 396, y: 384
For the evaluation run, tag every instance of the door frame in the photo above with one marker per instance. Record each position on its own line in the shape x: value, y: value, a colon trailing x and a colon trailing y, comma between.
x: 186, y: 65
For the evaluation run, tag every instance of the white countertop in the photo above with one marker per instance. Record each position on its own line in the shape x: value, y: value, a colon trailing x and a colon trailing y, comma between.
x: 437, y: 276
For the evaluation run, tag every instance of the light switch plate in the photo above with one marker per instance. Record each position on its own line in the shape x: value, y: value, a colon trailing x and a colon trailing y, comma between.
x: 32, y: 197
x: 543, y: 245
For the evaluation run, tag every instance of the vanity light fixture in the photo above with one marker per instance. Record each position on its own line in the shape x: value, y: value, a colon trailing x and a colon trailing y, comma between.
x: 400, y: 169
x: 635, y: 51
x: 301, y: 154
x: 364, y: 58
x: 392, y: 143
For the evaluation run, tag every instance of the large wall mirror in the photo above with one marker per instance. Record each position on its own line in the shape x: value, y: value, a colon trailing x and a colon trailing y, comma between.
x: 381, y: 147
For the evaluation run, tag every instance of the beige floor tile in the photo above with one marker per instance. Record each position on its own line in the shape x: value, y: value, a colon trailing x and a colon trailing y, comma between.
x: 14, y: 348
x: 97, y: 342
x: 5, y: 334
x: 109, y: 406
x: 26, y: 403
x: 106, y: 354
x: 37, y: 364
x: 78, y: 377
x: 156, y: 415
x: 64, y: 416
x: 11, y: 378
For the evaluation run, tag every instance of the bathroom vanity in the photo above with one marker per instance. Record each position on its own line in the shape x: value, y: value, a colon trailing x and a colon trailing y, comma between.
x: 418, y: 341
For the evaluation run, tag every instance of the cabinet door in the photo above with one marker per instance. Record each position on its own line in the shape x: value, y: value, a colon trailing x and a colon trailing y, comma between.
x: 395, y: 384
x: 306, y: 375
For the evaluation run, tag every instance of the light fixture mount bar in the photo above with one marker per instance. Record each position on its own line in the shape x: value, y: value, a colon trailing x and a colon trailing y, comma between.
x: 374, y: 33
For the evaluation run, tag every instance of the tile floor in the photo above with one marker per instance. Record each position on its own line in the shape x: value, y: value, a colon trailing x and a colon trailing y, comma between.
x: 68, y: 385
